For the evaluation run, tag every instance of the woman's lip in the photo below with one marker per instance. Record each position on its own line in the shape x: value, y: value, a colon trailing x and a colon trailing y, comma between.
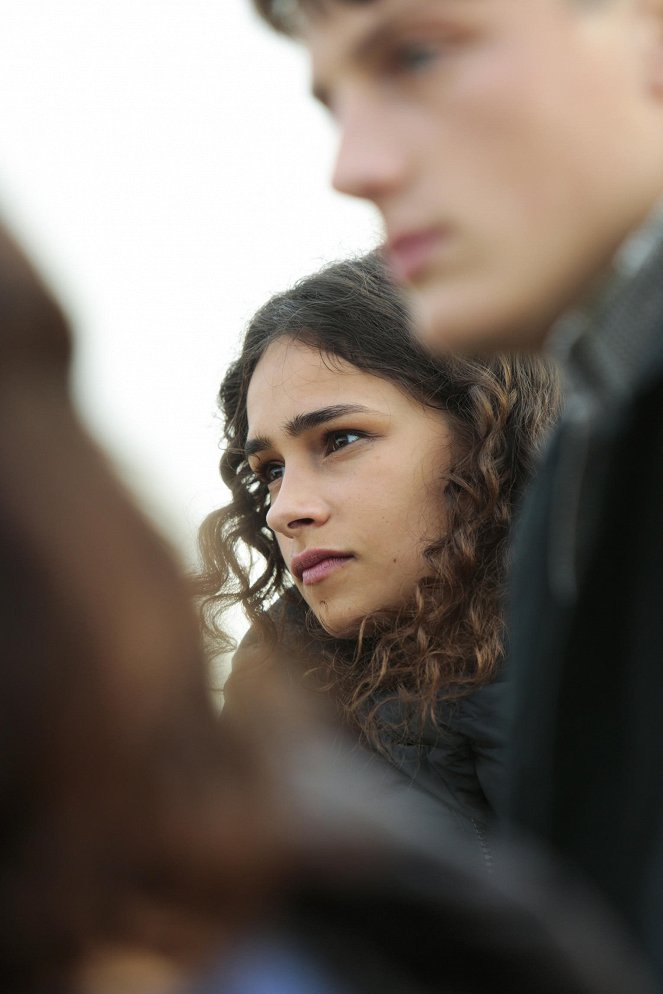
x: 408, y: 254
x: 322, y: 569
x: 305, y: 565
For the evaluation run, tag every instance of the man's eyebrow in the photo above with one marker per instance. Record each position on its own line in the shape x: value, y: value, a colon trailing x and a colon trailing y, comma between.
x: 304, y: 422
x: 364, y: 49
x: 370, y: 44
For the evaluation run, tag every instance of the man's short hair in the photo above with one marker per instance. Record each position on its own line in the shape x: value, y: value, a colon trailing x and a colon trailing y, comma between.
x: 285, y: 15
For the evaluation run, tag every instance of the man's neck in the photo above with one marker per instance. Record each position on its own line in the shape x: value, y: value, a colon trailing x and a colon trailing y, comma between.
x: 627, y: 261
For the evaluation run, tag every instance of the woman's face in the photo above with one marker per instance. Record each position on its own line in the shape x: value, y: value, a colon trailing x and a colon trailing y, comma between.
x: 356, y: 472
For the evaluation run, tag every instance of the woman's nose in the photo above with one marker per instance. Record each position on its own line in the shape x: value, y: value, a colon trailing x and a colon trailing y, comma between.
x: 297, y: 503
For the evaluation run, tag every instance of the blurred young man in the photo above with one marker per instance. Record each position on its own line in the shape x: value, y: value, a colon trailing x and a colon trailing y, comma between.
x: 515, y: 150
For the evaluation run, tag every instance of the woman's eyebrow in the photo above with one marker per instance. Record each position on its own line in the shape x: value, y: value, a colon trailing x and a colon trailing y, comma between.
x: 304, y: 422
x: 312, y: 419
x: 257, y: 444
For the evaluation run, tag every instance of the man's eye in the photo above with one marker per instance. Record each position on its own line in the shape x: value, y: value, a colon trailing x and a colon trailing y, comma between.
x: 341, y: 439
x: 414, y: 57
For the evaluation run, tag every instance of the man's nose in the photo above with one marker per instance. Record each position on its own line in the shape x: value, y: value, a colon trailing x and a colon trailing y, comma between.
x: 370, y: 161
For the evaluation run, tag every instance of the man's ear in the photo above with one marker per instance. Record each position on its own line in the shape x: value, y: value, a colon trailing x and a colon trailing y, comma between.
x: 651, y: 12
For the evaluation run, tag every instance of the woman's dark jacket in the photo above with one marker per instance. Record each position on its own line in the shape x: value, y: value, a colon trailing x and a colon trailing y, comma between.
x: 454, y: 765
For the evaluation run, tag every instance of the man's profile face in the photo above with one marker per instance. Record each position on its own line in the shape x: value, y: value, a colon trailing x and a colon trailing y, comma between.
x: 510, y: 146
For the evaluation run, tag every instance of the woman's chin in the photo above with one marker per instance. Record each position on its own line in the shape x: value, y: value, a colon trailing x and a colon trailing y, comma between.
x: 340, y: 627
x: 347, y: 624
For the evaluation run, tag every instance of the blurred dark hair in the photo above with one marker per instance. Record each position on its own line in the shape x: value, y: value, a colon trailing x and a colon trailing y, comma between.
x: 125, y: 808
x: 450, y: 637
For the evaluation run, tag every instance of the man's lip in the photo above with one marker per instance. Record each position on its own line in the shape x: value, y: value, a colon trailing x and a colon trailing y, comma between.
x: 408, y: 252
x: 311, y: 557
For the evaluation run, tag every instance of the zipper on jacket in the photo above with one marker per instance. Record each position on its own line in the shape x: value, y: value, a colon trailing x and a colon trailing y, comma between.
x: 484, y: 844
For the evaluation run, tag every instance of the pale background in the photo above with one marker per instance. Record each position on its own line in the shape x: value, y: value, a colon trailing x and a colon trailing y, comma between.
x: 164, y: 164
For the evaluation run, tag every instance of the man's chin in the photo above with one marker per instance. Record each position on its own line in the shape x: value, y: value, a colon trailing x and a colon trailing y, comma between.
x: 468, y: 327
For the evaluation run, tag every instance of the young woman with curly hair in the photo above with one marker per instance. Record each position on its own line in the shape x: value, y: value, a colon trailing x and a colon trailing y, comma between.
x: 372, y: 492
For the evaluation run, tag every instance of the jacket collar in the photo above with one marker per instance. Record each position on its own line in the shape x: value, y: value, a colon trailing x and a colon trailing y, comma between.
x: 608, y: 344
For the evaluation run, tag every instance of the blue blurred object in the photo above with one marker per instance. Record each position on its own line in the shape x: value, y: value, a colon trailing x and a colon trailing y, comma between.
x: 269, y: 966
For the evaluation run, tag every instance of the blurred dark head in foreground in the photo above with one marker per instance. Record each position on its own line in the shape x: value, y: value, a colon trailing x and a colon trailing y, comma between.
x: 123, y: 805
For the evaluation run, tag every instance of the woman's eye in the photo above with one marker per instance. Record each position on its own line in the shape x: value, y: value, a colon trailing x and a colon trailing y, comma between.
x: 341, y: 439
x: 271, y: 472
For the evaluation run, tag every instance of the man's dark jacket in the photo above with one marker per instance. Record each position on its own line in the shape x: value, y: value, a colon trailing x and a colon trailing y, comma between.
x: 586, y: 656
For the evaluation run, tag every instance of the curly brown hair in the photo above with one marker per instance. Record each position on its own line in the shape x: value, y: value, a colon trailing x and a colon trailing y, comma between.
x: 449, y: 637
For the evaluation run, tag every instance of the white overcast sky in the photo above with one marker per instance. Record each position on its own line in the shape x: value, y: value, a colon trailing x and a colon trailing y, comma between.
x: 165, y: 166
